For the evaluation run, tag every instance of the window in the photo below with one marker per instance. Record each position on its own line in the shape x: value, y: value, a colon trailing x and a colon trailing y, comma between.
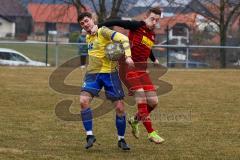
x: 179, y: 31
x: 74, y: 27
x: 12, y: 57
x: 5, y: 56
x: 51, y: 26
x: 16, y: 57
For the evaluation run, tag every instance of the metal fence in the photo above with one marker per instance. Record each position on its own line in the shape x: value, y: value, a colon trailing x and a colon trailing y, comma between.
x: 197, y: 56
x: 173, y: 56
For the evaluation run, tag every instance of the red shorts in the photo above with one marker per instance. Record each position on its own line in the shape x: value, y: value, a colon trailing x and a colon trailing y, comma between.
x: 135, y: 80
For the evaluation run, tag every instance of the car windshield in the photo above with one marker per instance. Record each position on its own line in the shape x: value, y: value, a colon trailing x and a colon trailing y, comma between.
x: 16, y: 57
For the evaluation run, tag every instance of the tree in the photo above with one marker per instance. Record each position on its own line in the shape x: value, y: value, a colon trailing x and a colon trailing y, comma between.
x: 101, y: 7
x: 220, y: 12
x: 102, y: 12
x: 78, y: 5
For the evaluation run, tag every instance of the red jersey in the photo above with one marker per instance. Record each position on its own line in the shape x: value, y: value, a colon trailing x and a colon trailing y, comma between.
x: 141, y: 41
x: 140, y: 37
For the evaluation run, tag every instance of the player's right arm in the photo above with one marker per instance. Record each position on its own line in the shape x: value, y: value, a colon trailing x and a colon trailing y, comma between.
x: 126, y: 24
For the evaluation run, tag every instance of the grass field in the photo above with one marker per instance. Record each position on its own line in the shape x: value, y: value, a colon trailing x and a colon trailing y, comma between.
x: 199, y: 118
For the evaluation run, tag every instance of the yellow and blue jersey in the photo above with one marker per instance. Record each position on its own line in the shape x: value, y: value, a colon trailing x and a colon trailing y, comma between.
x: 98, y: 62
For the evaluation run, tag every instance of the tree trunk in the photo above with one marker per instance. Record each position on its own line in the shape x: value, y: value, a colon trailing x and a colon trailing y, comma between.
x: 223, y: 34
x: 115, y: 8
x: 102, y: 11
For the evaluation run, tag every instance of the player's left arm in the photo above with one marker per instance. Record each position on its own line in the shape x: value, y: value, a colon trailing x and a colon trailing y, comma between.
x: 118, y: 37
x: 153, y: 58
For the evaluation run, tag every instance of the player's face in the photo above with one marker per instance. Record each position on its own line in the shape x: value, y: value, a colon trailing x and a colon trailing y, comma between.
x: 152, y: 20
x: 87, y: 24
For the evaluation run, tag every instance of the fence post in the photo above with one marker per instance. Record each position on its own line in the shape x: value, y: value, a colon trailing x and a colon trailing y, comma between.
x: 56, y: 51
x: 46, y: 32
x: 167, y: 47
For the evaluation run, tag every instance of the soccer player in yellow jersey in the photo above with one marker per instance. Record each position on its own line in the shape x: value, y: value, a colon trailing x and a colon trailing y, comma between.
x: 102, y: 72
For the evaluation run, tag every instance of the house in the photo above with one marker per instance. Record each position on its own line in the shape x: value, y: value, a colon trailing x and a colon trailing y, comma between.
x: 177, y: 28
x: 235, y: 26
x: 167, y: 11
x: 7, y: 27
x: 184, y: 21
x: 211, y: 12
x: 57, y: 17
x: 11, y: 11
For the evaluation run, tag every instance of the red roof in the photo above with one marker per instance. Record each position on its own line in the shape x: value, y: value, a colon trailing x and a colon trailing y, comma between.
x: 236, y: 24
x: 188, y: 19
x: 216, y: 39
x: 54, y: 13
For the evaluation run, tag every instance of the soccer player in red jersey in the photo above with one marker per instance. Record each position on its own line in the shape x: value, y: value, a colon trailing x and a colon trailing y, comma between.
x: 136, y: 79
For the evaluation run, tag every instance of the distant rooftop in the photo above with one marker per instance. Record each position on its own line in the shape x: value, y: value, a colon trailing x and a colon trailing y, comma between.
x: 12, y: 8
x: 139, y: 10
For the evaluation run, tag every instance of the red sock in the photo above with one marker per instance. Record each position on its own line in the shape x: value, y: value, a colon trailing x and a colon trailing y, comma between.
x: 143, y: 115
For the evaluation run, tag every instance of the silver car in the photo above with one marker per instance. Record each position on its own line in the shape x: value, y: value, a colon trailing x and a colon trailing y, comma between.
x: 14, y: 58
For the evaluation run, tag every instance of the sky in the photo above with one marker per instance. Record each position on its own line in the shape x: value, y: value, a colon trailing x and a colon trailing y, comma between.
x: 139, y: 3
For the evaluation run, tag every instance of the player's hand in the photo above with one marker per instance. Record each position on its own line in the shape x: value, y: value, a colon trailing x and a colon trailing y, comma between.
x: 130, y: 62
x: 156, y: 62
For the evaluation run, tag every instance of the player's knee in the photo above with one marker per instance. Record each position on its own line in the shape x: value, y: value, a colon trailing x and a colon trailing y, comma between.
x: 153, y: 101
x: 140, y: 96
x: 119, y: 106
x: 84, y: 102
x: 141, y: 100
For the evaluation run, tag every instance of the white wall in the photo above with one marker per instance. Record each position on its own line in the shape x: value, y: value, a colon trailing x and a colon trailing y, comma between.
x: 179, y: 38
x: 202, y: 23
x: 6, y: 27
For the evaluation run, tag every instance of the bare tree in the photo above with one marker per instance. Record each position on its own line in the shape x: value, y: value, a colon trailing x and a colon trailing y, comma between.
x: 108, y: 9
x: 100, y: 10
x: 103, y: 9
x: 220, y: 12
x: 78, y: 5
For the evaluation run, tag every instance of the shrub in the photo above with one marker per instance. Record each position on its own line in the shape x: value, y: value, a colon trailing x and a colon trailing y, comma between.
x: 73, y: 37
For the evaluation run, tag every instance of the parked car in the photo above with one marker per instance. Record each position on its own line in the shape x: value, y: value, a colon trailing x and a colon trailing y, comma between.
x: 14, y: 58
x: 237, y: 63
x: 177, y: 56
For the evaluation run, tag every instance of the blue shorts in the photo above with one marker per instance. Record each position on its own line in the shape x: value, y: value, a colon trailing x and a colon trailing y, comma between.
x: 93, y: 83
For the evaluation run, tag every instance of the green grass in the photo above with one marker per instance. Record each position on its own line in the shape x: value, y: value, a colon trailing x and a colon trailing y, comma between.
x: 209, y: 99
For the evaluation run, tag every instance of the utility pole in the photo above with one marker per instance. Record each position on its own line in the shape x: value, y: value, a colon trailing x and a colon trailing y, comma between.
x: 187, y: 56
x: 167, y: 30
x: 46, y: 32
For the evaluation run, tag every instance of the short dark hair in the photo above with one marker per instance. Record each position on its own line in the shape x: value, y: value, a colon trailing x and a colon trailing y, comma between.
x: 84, y: 14
x: 156, y: 10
